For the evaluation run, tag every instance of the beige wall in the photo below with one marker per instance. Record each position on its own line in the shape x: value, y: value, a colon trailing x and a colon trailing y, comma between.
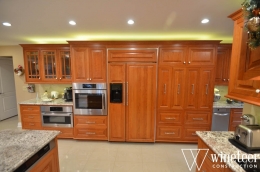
x: 223, y: 90
x: 254, y: 110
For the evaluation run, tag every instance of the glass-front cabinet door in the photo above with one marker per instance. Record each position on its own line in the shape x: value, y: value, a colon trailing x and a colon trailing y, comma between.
x: 65, y: 66
x: 49, y: 64
x: 32, y: 66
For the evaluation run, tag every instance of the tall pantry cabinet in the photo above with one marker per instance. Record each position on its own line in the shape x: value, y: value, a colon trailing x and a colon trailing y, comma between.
x: 186, y: 77
x: 133, y: 119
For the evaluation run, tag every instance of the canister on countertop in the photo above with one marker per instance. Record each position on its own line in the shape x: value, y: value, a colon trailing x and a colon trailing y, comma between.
x: 248, y: 119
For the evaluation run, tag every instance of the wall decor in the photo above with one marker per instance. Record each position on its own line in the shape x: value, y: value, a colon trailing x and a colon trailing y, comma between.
x: 19, y: 70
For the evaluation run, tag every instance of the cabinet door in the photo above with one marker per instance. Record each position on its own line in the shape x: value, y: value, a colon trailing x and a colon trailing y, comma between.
x: 64, y: 61
x: 140, y: 97
x: 116, y: 111
x: 235, y: 118
x: 201, y: 56
x: 97, y: 65
x: 175, y: 56
x: 164, y: 87
x: 192, y: 85
x: 178, y: 88
x: 49, y: 61
x: 31, y: 65
x: 206, y: 89
x: 80, y: 61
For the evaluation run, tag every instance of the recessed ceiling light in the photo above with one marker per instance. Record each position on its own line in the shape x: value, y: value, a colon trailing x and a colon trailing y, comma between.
x: 72, y: 22
x: 130, y: 22
x: 7, y: 24
x: 205, y: 21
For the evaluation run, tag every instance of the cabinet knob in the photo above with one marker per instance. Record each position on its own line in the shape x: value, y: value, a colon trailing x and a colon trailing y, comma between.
x: 56, y: 78
x: 90, y: 79
x: 184, y: 62
x: 224, y: 79
x: 257, y: 90
x: 189, y: 62
x: 39, y: 77
x: 60, y: 78
x: 228, y: 79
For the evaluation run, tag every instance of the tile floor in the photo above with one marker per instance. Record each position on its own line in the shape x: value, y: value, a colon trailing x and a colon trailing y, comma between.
x: 103, y: 156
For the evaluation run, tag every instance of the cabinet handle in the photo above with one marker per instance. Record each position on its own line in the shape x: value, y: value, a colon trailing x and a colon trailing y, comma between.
x: 184, y: 62
x: 60, y: 78
x: 31, y: 124
x: 126, y: 93
x: 197, y: 119
x: 170, y: 118
x: 90, y: 122
x: 189, y: 62
x: 56, y: 78
x: 29, y: 108
x: 179, y: 86
x: 207, y: 88
x: 194, y: 134
x: 224, y: 79
x: 257, y: 90
x: 164, y: 89
x: 90, y: 133
x: 39, y: 77
x: 228, y: 79
x: 90, y: 79
x: 192, y: 91
x: 169, y: 133
x: 31, y: 117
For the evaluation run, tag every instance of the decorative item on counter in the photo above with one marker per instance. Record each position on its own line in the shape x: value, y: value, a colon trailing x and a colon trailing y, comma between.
x: 19, y: 70
x: 230, y: 101
x: 45, y: 98
x: 31, y: 88
x: 54, y: 94
x: 217, y: 96
x: 251, y: 10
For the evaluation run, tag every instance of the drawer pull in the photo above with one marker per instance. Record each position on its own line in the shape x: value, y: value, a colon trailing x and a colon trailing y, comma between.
x: 194, y: 134
x: 29, y: 108
x: 31, y: 124
x: 170, y: 118
x: 172, y: 133
x: 31, y: 117
x: 90, y: 122
x: 90, y: 133
x: 197, y: 119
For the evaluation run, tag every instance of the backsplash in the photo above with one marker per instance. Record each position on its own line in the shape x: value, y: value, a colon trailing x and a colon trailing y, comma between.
x: 40, y: 88
x: 253, y: 110
x: 223, y: 90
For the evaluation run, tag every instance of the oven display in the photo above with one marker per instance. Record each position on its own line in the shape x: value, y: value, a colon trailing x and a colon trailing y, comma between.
x: 89, y: 85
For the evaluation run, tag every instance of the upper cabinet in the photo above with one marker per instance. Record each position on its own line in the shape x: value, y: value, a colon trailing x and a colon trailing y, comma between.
x: 245, y: 65
x: 88, y: 63
x: 188, y: 55
x: 223, y: 64
x: 47, y: 63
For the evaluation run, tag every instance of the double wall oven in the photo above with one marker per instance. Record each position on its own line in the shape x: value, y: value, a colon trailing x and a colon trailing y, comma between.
x: 89, y: 98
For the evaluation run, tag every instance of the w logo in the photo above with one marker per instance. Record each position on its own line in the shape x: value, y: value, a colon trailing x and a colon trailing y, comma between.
x: 193, y: 153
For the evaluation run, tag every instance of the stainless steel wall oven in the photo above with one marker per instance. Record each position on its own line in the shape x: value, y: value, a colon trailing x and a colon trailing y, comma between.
x: 89, y: 98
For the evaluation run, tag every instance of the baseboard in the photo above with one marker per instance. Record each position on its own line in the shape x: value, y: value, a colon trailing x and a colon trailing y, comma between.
x: 19, y: 125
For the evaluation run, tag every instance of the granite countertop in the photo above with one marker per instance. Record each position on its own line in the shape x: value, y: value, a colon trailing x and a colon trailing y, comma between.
x: 218, y: 142
x: 17, y: 146
x: 224, y: 104
x: 40, y: 102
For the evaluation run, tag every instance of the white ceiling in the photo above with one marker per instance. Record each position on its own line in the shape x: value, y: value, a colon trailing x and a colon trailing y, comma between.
x: 46, y: 21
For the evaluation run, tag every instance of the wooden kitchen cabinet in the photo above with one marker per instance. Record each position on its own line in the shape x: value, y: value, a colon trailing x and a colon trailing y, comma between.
x: 47, y: 63
x: 245, y: 68
x: 188, y: 54
x: 235, y: 118
x: 88, y: 64
x: 90, y: 127
x: 133, y: 119
x: 223, y: 64
x: 31, y: 117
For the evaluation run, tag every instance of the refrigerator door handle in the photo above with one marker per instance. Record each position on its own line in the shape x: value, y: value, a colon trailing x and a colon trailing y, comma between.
x: 126, y: 93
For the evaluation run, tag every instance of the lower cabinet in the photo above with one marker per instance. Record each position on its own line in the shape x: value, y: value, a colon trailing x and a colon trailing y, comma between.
x: 64, y: 132
x: 235, y: 118
x: 30, y: 117
x: 90, y: 127
x: 206, y: 163
x: 49, y: 163
x: 181, y: 126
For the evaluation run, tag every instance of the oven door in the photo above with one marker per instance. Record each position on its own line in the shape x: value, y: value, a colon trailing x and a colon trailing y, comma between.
x: 89, y: 102
x: 57, y: 119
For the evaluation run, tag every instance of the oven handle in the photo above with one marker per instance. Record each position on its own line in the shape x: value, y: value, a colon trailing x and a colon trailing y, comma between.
x: 103, y: 100
x: 55, y: 114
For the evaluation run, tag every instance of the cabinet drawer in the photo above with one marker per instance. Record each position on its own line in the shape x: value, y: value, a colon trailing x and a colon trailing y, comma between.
x: 170, y: 117
x: 32, y: 125
x: 197, y: 118
x: 90, y: 120
x: 64, y: 132
x: 190, y: 133
x: 168, y: 132
x: 31, y: 118
x: 95, y: 133
x: 29, y: 109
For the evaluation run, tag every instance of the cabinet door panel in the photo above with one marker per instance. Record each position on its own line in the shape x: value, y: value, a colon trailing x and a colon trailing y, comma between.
x: 32, y: 67
x: 168, y: 132
x: 164, y: 87
x: 49, y: 65
x: 191, y: 96
x: 97, y: 65
x: 174, y: 117
x: 176, y: 56
x: 206, y: 89
x: 116, y: 72
x: 140, y: 97
x: 201, y: 56
x: 178, y: 88
x: 65, y: 66
x: 79, y: 64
